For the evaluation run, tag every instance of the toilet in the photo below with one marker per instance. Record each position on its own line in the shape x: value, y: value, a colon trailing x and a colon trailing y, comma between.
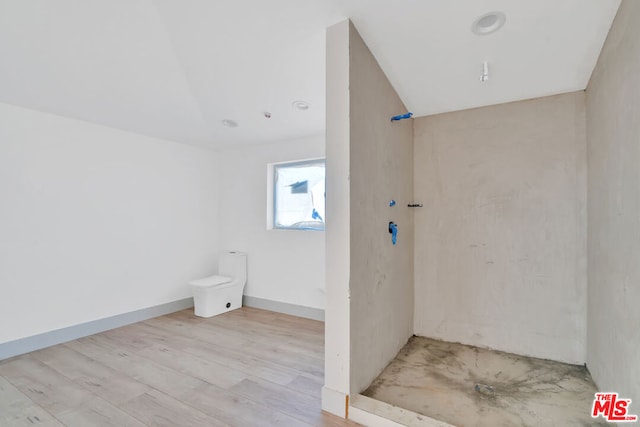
x: 220, y: 293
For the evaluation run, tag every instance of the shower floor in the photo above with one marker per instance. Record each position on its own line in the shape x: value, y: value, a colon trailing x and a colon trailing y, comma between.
x: 473, y: 387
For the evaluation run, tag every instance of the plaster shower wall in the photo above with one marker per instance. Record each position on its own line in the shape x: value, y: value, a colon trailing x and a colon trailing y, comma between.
x: 500, y: 251
x: 613, y: 109
x: 380, y: 170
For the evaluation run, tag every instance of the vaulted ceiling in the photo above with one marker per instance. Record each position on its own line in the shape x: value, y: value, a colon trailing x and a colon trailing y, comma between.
x: 174, y: 69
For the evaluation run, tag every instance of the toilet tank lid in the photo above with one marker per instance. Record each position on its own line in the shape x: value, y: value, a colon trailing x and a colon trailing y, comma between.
x: 210, y: 281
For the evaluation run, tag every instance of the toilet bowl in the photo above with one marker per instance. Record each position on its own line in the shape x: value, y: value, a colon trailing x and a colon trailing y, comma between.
x: 222, y: 292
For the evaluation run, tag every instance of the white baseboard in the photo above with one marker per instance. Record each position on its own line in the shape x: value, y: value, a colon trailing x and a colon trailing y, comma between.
x: 284, y: 307
x: 47, y: 339
x: 334, y: 402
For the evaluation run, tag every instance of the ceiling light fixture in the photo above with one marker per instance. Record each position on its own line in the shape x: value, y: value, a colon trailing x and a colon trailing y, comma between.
x: 301, y: 105
x: 488, y: 23
x: 230, y: 123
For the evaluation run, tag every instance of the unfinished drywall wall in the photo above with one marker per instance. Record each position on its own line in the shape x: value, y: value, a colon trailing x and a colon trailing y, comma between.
x: 613, y: 129
x: 380, y: 171
x: 500, y: 242
x: 97, y: 222
x: 284, y: 265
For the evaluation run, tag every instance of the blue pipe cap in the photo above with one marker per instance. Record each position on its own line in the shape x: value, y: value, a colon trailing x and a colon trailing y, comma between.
x: 402, y: 116
x: 393, y: 229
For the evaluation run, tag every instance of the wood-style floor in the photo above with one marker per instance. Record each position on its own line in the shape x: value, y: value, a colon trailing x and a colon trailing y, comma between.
x: 247, y: 367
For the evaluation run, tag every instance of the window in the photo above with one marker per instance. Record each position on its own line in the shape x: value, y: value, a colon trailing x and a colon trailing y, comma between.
x: 297, y: 195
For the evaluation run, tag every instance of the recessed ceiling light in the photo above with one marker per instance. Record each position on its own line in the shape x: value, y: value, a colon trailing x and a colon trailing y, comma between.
x: 230, y: 123
x: 488, y: 23
x: 301, y: 105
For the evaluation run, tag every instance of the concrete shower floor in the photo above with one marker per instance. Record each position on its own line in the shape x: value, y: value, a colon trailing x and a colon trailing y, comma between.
x: 473, y: 387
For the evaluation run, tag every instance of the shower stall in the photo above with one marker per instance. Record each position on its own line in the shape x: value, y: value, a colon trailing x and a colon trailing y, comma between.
x: 477, y: 315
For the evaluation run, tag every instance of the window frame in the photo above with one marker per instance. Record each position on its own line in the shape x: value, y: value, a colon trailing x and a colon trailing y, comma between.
x: 272, y: 192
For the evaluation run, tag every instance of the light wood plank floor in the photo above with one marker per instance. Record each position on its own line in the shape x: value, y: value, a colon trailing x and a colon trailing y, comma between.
x: 248, y: 367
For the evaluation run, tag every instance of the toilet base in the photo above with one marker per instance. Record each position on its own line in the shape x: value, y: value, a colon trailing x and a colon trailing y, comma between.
x: 209, y: 302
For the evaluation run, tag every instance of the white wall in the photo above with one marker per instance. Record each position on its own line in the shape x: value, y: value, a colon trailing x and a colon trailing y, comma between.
x: 96, y: 222
x: 337, y: 233
x: 613, y: 129
x: 284, y: 265
x: 501, y: 240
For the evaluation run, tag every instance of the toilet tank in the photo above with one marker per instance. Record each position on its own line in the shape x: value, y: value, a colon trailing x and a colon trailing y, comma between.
x: 233, y: 264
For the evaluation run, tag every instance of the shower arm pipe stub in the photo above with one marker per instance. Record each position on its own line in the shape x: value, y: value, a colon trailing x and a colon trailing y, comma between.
x: 415, y: 205
x: 402, y: 116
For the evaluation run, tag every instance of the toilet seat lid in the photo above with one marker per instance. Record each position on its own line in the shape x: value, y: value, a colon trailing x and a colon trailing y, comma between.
x: 210, y: 281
